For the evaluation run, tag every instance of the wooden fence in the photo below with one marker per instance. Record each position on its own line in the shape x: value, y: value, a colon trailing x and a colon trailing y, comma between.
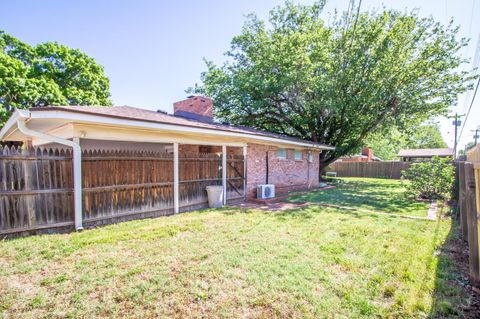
x: 197, y: 171
x: 469, y: 206
x: 36, y: 186
x: 118, y: 184
x: 36, y: 189
x: 235, y: 177
x: 392, y: 169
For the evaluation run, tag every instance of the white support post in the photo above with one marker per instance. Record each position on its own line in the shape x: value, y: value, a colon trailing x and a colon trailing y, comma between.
x: 77, y: 184
x: 176, y: 192
x: 245, y: 172
x: 224, y: 173
x: 77, y: 165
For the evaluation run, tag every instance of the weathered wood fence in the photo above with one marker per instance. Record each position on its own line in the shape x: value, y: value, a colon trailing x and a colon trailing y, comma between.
x: 391, y: 169
x: 468, y: 174
x: 119, y: 184
x: 36, y: 186
x: 36, y: 189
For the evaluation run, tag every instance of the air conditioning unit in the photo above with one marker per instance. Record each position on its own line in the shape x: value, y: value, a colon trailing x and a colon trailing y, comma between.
x: 266, y: 191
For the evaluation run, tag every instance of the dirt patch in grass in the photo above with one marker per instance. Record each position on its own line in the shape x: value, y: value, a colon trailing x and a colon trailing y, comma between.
x: 455, y: 254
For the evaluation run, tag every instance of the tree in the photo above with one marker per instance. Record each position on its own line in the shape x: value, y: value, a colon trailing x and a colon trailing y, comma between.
x: 468, y: 147
x: 47, y: 74
x: 336, y: 83
x: 388, y: 143
x: 425, y: 136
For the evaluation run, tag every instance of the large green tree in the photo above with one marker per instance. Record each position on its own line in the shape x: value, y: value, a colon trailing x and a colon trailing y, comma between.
x: 387, y: 143
x: 47, y: 74
x: 336, y: 82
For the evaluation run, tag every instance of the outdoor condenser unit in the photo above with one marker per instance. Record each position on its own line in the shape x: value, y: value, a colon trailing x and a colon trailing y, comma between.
x: 266, y: 191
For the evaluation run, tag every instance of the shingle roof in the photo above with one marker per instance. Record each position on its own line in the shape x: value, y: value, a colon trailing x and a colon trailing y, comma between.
x: 133, y: 113
x: 426, y: 152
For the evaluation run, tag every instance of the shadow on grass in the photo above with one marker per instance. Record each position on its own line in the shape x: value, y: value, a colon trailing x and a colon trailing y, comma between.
x: 452, y: 295
x: 309, y: 212
x: 387, y: 196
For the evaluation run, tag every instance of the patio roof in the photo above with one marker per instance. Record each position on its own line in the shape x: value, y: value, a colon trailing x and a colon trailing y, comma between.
x: 131, y: 116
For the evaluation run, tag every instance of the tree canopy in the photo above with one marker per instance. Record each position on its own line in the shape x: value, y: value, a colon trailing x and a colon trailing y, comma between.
x: 336, y: 82
x: 387, y: 143
x: 47, y: 74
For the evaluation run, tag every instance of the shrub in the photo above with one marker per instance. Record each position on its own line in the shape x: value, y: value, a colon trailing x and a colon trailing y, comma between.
x: 430, y: 180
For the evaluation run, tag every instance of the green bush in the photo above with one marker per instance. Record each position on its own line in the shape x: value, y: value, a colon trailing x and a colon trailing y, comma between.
x: 430, y: 180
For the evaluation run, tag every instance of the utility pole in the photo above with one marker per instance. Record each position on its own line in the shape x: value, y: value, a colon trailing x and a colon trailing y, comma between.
x: 456, y: 123
x: 475, y: 135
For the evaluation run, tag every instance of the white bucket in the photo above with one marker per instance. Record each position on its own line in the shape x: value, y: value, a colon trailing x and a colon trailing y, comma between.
x: 215, y: 196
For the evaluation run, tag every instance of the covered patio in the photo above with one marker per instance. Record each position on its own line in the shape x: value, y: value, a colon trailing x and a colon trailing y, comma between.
x: 99, y: 174
x: 81, y: 166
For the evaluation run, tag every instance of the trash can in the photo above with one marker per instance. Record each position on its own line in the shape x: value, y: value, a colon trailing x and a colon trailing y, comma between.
x: 215, y: 196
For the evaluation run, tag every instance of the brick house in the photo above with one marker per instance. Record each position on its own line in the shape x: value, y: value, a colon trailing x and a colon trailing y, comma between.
x: 269, y: 158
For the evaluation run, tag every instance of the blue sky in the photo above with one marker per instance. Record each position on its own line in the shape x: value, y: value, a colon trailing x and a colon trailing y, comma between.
x: 153, y: 50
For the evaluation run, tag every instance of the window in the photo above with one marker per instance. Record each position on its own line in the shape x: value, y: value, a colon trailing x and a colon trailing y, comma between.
x: 310, y: 157
x: 298, y: 155
x: 282, y: 153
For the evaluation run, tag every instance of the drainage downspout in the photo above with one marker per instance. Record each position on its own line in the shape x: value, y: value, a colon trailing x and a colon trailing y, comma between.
x: 77, y: 166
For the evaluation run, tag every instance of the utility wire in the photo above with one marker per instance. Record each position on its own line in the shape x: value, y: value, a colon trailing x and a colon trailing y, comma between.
x: 471, y: 18
x: 470, y: 108
x: 476, y: 61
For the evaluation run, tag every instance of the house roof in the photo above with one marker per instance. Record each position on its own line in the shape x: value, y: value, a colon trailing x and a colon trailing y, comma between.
x: 426, y: 152
x: 148, y: 116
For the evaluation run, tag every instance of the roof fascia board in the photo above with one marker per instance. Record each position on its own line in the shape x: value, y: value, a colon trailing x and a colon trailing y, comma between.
x: 82, y: 117
x: 12, y: 122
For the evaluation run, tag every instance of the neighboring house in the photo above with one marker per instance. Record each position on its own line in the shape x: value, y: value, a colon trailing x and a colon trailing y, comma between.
x: 288, y: 163
x: 424, y: 154
x: 365, y: 156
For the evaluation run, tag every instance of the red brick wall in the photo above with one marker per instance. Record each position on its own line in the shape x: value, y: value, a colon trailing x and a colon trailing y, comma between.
x: 287, y: 174
x: 188, y: 149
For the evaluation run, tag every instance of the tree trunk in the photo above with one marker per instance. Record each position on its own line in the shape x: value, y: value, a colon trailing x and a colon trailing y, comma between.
x: 324, y: 161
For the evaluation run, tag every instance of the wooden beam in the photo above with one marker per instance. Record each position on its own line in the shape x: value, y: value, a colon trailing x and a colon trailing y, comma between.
x: 176, y: 191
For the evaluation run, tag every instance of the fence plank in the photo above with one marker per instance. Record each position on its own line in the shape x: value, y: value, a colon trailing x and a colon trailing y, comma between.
x: 462, y: 185
x: 473, y: 255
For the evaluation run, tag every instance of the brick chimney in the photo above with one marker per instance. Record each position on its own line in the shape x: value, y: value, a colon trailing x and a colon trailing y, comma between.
x: 195, y: 107
x: 368, y: 152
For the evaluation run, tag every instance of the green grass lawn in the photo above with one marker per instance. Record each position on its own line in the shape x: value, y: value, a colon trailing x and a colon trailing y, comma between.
x: 385, y: 195
x: 308, y: 262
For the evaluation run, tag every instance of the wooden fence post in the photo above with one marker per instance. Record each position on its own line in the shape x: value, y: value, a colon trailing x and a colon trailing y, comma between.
x: 462, y: 200
x: 471, y: 209
x: 29, y: 172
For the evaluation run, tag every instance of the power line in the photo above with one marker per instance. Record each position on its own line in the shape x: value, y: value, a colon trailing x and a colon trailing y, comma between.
x: 470, y: 108
x: 471, y: 18
x: 475, y: 63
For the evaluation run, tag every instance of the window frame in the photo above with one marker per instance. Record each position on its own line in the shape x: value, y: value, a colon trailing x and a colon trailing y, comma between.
x: 310, y: 157
x: 284, y: 152
x: 295, y: 153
